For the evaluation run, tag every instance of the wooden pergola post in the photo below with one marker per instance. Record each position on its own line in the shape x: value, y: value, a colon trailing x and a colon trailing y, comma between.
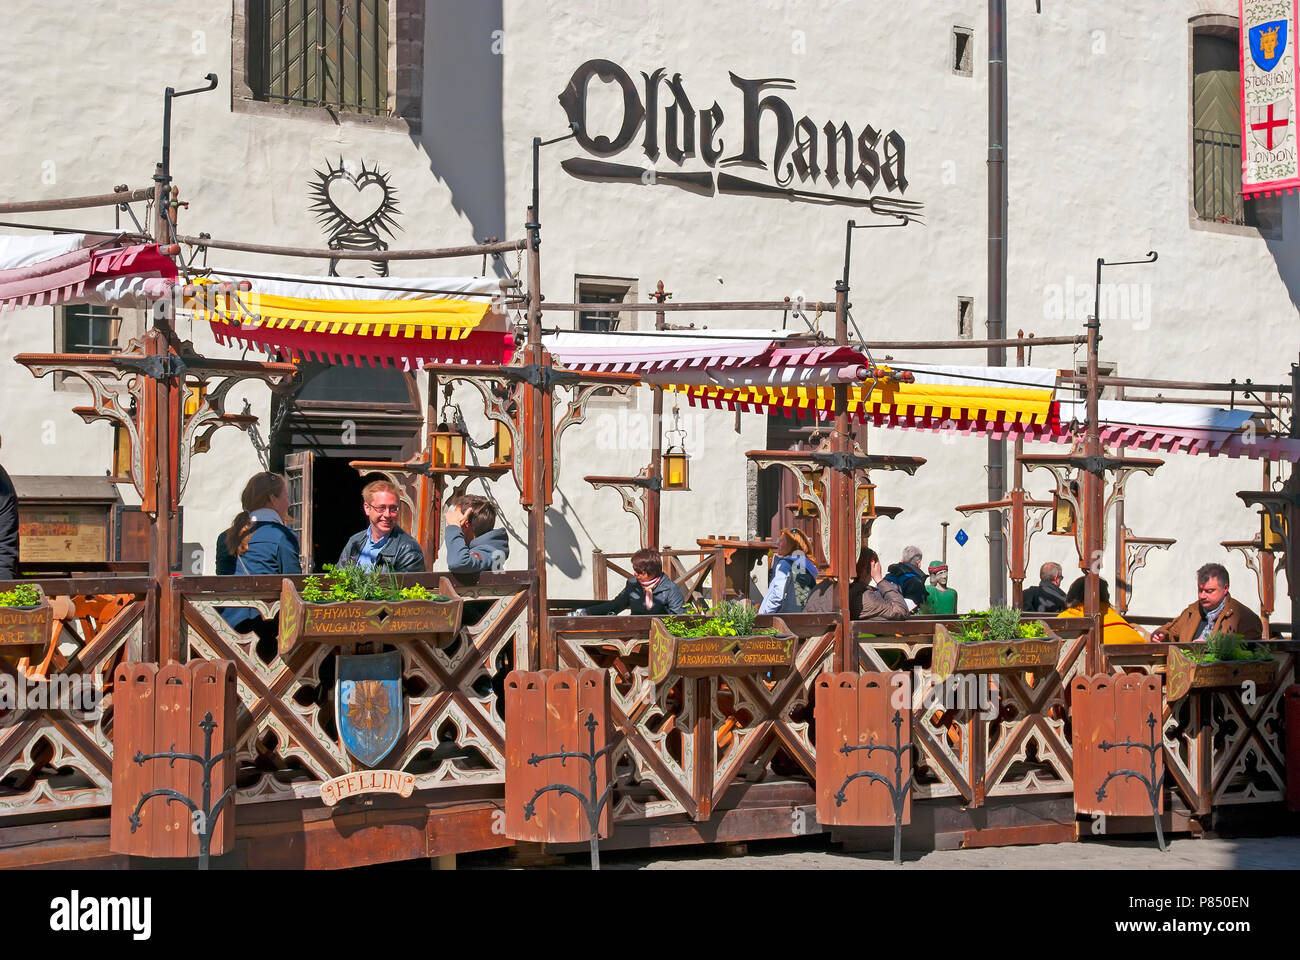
x: 538, y: 454
x: 1094, y: 507
x: 840, y: 490
x: 654, y: 494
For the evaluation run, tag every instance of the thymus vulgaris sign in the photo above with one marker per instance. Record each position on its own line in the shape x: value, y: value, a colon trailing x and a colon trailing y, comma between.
x: 802, y: 150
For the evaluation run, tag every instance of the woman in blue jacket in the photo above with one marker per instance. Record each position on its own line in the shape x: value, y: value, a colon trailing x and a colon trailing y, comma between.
x: 793, y: 574
x: 258, y: 543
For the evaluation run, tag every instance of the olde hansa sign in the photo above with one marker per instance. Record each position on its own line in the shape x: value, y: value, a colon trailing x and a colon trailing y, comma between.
x: 802, y: 152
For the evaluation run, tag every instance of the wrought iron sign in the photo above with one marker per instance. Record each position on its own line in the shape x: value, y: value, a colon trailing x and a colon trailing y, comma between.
x: 803, y: 152
x: 354, y: 210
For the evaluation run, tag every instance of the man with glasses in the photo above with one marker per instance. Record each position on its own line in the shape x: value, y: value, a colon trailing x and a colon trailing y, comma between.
x: 384, y: 544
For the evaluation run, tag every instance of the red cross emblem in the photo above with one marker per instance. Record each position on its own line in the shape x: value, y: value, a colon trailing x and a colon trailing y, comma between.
x: 1264, y: 122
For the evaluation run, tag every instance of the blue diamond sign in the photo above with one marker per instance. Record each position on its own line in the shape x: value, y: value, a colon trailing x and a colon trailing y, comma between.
x: 961, y: 538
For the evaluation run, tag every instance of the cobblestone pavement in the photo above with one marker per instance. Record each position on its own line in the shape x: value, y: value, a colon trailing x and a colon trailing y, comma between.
x: 818, y: 853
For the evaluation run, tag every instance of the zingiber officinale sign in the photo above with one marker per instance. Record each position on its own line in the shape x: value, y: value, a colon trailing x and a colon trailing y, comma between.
x: 802, y: 149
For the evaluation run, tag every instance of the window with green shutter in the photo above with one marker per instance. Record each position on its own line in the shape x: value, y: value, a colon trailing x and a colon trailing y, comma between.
x: 320, y: 52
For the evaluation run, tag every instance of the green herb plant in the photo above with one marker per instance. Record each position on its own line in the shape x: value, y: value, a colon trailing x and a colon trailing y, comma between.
x: 349, y: 582
x: 996, y: 623
x: 731, y: 618
x: 1220, y: 647
x: 24, y: 595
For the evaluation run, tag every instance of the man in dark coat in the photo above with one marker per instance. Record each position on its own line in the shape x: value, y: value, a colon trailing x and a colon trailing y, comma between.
x: 8, y: 528
x: 1047, y: 597
x: 383, y: 545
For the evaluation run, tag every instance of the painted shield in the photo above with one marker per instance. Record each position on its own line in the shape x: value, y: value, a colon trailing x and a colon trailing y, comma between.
x: 1270, y: 125
x: 1268, y: 43
x: 368, y: 694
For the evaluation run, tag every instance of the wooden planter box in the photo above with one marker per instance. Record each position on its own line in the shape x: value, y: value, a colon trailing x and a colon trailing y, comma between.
x: 719, y: 656
x: 992, y: 656
x: 1182, y: 675
x: 363, y: 621
x: 26, y: 626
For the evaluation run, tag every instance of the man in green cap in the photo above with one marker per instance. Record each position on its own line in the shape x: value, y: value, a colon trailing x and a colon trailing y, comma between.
x: 939, y: 600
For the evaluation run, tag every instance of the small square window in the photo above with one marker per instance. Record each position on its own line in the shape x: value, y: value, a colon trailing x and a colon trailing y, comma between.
x: 612, y: 291
x: 963, y: 43
x: 966, y: 318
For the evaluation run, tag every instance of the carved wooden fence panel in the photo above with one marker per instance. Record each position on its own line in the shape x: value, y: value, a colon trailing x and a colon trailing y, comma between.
x: 54, y: 759
x: 288, y: 741
x: 685, y: 743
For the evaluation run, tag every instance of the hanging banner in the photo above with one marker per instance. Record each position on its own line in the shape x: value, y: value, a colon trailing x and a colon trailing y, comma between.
x: 1270, y: 161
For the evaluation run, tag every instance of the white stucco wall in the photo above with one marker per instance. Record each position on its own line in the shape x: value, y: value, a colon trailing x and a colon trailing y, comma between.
x: 1098, y: 166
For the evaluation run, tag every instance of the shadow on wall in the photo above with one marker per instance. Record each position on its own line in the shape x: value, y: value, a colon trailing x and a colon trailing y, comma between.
x: 462, y: 96
x: 562, y: 549
x: 1285, y: 251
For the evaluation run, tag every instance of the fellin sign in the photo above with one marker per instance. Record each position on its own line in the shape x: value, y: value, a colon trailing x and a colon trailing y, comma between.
x: 802, y: 151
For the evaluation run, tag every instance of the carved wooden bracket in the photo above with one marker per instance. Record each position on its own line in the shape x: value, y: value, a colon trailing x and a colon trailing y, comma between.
x: 115, y: 380
x: 635, y: 494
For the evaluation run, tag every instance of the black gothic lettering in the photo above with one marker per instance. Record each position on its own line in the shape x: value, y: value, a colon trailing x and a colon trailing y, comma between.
x: 805, y: 155
x: 869, y: 168
x: 574, y: 101
x: 651, y: 142
x: 683, y: 103
x: 710, y: 120
x: 895, y: 151
x: 753, y: 110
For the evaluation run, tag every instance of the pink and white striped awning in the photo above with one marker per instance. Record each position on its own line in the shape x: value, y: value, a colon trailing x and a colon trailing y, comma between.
x: 39, y: 271
x: 1191, y: 428
x: 655, y: 352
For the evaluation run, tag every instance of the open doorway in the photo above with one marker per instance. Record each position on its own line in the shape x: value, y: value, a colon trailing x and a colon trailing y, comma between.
x: 337, y: 415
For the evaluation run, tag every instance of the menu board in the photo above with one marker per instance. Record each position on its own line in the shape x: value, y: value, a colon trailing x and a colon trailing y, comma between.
x: 62, y: 534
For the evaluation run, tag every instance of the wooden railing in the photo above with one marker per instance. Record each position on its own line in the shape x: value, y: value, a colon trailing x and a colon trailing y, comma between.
x: 689, y: 569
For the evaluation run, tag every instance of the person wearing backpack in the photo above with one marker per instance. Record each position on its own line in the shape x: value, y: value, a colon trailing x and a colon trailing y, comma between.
x: 793, y: 574
x: 909, y: 578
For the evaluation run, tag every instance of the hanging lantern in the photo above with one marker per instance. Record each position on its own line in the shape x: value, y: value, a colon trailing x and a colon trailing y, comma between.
x: 194, y: 394
x: 121, y: 466
x: 448, y: 448
x: 1063, y: 519
x: 866, y: 500
x: 676, y: 472
x: 503, y: 445
x: 817, y: 478
x: 1273, y: 530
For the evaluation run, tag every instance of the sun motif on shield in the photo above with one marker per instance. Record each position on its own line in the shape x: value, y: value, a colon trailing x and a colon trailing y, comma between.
x: 369, y: 708
x: 368, y: 694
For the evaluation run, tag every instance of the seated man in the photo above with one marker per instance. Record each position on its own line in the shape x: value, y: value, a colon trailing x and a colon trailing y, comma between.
x: 474, y: 542
x: 383, y: 544
x: 1047, y: 597
x: 649, y: 592
x: 1213, y: 612
x: 909, y: 577
x: 884, y: 601
x: 1114, y: 628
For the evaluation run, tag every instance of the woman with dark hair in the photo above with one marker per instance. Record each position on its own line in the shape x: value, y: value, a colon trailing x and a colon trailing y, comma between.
x: 1114, y: 628
x: 258, y: 543
x: 884, y: 601
x: 793, y: 574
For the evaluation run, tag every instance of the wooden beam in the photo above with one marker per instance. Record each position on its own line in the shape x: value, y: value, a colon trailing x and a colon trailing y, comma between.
x: 123, y: 195
x: 317, y: 253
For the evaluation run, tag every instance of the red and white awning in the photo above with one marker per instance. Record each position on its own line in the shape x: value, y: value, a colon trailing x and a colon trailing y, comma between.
x: 40, y: 271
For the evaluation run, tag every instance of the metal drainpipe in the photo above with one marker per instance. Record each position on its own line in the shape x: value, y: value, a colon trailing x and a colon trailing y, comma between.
x: 997, y: 275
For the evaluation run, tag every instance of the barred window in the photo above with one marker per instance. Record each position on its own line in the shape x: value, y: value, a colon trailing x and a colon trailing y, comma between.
x: 331, y: 53
x: 1216, y: 135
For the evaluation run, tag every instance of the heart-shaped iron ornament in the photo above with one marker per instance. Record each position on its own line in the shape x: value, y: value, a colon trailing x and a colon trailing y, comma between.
x: 354, y: 209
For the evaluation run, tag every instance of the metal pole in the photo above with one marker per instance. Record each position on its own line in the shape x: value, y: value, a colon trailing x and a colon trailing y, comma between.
x: 1093, y: 499
x: 540, y: 458
x: 653, y: 495
x: 843, y: 515
x: 1293, y: 488
x: 997, y: 276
